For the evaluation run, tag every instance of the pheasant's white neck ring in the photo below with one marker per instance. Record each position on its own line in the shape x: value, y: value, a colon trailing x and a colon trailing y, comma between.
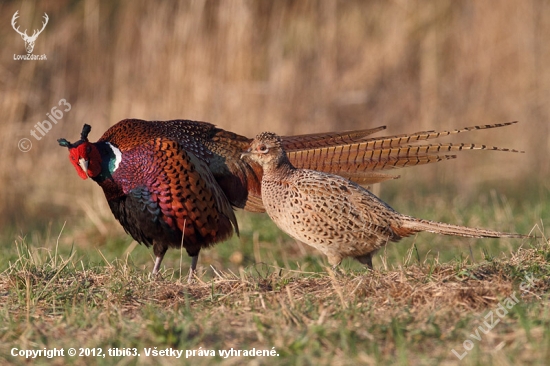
x: 118, y: 156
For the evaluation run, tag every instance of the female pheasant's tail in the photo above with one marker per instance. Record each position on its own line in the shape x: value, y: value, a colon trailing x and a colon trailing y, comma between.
x: 411, y: 225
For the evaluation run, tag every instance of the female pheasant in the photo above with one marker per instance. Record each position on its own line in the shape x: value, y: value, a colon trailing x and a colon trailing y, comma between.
x: 337, y: 217
x: 174, y: 183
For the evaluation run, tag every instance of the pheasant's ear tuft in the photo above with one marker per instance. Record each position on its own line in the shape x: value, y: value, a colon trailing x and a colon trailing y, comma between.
x: 64, y: 143
x: 85, y: 131
x: 83, y: 138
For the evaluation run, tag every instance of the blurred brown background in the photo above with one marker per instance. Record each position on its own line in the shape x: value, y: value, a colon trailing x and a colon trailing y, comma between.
x: 285, y: 66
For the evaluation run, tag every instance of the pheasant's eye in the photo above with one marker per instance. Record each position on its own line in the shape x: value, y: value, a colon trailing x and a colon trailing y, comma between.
x: 88, y: 149
x: 262, y: 148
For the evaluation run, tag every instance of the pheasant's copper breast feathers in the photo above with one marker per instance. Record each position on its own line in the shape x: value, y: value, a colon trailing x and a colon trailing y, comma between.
x: 183, y: 187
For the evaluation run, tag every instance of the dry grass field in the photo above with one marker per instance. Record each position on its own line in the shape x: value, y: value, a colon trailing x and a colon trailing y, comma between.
x: 71, y: 277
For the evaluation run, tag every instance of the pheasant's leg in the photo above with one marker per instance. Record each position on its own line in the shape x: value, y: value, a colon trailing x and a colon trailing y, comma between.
x: 193, y: 269
x: 335, y: 260
x: 366, y: 259
x: 159, y: 250
x: 156, y: 268
x: 337, y: 271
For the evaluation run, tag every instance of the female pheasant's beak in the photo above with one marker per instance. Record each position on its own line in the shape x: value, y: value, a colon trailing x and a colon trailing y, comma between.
x: 246, y: 153
x: 84, y: 165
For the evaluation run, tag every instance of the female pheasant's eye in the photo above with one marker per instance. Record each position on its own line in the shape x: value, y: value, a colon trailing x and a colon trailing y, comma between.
x: 262, y: 148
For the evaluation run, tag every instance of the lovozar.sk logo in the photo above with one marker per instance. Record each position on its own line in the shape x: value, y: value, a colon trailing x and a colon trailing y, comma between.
x: 29, y: 40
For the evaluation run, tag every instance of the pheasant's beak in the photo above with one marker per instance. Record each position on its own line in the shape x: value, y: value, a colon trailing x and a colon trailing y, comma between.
x: 246, y: 153
x: 84, y: 165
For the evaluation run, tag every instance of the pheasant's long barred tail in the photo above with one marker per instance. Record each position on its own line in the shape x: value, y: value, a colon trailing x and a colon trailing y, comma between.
x: 431, y: 148
x: 365, y: 152
x: 360, y: 167
x: 362, y: 157
x: 415, y: 225
x: 310, y: 141
x: 358, y: 160
x: 403, y: 139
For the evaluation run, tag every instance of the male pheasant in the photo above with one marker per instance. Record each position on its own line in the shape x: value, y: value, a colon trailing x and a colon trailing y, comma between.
x: 332, y: 214
x: 174, y: 183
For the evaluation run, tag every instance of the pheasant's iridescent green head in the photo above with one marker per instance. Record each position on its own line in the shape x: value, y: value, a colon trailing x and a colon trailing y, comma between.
x: 84, y: 155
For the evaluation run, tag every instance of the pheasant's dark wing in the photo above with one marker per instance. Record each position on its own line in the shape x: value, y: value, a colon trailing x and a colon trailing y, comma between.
x: 167, y: 184
x: 240, y: 179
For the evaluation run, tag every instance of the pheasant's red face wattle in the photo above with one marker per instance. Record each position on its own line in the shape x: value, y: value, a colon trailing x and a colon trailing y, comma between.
x: 86, y: 160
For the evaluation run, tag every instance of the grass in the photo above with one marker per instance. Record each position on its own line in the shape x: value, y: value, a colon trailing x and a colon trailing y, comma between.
x: 291, y: 67
x: 263, y: 290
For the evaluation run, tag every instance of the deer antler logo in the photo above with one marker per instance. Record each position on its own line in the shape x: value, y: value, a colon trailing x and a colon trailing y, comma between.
x: 29, y: 41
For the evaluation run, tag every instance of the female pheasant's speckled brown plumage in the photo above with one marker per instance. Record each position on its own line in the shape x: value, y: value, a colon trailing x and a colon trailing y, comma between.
x: 332, y: 214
